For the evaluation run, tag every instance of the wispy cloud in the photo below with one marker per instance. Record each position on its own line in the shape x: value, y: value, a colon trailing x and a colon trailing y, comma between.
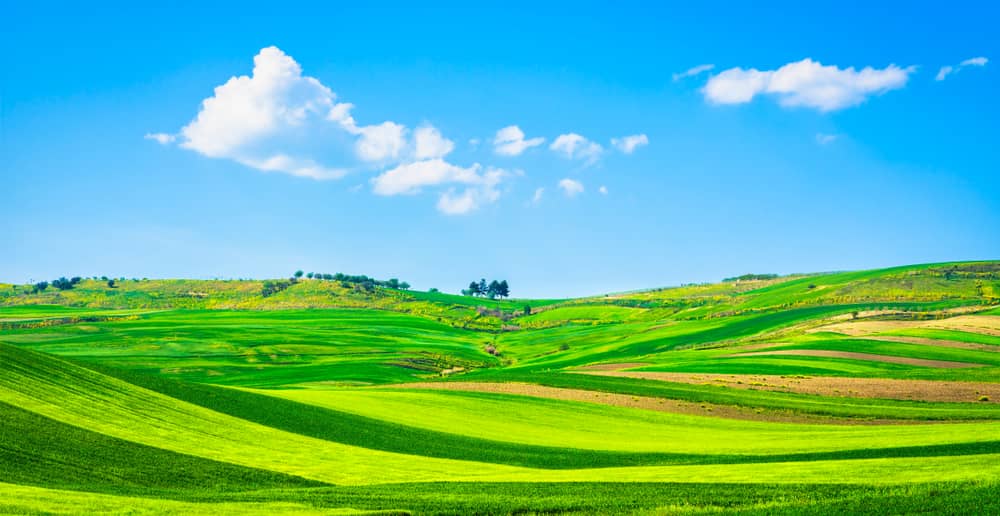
x: 161, y: 138
x: 691, y: 72
x: 826, y: 139
x: 571, y: 187
x: 628, y: 144
x: 576, y: 147
x: 947, y: 70
x: 806, y: 83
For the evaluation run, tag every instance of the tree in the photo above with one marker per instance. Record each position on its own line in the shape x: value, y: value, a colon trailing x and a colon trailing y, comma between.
x: 474, y: 289
x: 40, y: 286
x: 392, y: 283
x: 111, y: 283
x: 404, y: 285
x: 493, y: 290
x: 328, y: 276
x: 527, y: 309
x: 298, y: 274
x: 433, y: 290
x: 482, y: 287
x: 62, y: 283
x: 310, y: 275
x: 74, y: 280
x: 503, y: 290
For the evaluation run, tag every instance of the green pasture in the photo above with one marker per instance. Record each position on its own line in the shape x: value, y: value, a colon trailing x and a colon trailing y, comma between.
x: 206, y: 396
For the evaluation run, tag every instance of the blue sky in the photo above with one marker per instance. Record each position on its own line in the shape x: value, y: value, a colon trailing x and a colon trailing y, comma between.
x: 786, y: 155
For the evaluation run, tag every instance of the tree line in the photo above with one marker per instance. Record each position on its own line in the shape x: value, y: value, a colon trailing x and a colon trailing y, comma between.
x: 495, y: 289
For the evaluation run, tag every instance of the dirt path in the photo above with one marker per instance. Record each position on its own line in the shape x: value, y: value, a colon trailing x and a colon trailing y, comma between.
x: 941, y: 364
x: 884, y: 388
x: 644, y: 402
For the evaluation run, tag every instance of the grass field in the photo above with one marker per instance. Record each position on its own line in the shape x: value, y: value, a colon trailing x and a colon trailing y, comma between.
x: 870, y: 391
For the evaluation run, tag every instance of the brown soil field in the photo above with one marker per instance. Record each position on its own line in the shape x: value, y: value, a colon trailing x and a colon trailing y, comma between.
x: 942, y: 364
x: 920, y: 390
x: 982, y: 324
x: 643, y: 402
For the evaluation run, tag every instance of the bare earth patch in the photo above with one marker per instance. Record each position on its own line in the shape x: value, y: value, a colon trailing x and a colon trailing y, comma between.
x: 982, y: 324
x: 920, y: 390
x: 642, y: 402
x: 941, y: 364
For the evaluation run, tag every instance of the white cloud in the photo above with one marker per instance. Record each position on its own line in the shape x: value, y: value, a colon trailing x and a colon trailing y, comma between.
x: 628, y: 144
x: 279, y: 120
x: 411, y: 178
x: 382, y: 142
x: 293, y: 166
x: 510, y: 141
x: 574, y: 146
x: 161, y: 138
x: 945, y: 71
x: 429, y: 143
x: 603, y: 189
x: 245, y: 110
x: 824, y: 138
x: 537, y: 198
x: 806, y: 83
x: 571, y: 187
x: 691, y: 72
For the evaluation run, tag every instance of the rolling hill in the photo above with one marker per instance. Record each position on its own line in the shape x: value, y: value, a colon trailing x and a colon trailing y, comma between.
x: 873, y: 391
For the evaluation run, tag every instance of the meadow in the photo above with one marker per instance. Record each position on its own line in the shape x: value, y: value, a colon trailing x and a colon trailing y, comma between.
x: 870, y: 391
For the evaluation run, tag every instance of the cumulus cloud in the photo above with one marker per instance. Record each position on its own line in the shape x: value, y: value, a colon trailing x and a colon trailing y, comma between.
x: 571, y: 187
x: 278, y: 120
x: 825, y: 139
x: 628, y: 144
x: 806, y: 83
x: 574, y: 146
x: 603, y: 189
x: 429, y: 143
x: 510, y: 141
x: 945, y: 71
x: 691, y: 72
x: 161, y: 138
x: 247, y: 109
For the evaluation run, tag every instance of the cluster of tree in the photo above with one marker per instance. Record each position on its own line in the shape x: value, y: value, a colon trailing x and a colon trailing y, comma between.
x: 495, y: 289
x: 61, y: 284
x: 273, y: 287
x: 748, y: 277
x: 366, y: 282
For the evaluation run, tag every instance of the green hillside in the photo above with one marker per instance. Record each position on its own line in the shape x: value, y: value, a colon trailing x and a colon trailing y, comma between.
x: 869, y: 391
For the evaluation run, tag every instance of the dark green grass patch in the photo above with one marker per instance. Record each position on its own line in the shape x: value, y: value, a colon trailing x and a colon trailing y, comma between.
x: 38, y: 451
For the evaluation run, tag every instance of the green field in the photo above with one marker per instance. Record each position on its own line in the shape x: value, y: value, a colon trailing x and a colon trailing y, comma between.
x: 870, y: 391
